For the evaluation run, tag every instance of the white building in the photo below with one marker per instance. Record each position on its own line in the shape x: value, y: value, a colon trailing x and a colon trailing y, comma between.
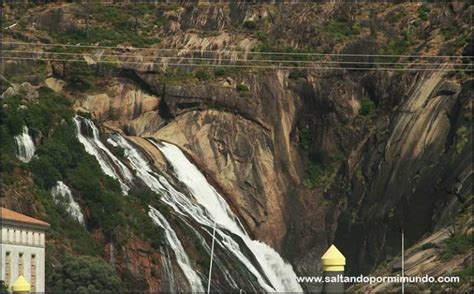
x: 22, y: 243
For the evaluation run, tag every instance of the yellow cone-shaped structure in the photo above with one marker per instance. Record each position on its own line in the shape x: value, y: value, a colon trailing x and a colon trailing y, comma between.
x: 21, y: 285
x: 333, y: 260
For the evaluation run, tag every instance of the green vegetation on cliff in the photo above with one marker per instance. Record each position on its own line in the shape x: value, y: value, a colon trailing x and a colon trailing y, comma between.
x: 457, y: 244
x: 110, y: 216
x: 82, y: 274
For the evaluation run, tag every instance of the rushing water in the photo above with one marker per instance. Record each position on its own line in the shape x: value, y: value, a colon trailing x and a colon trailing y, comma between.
x: 109, y: 163
x: 181, y: 204
x: 280, y: 274
x: 167, y: 272
x: 181, y: 256
x: 62, y: 196
x: 200, y: 205
x: 25, y: 148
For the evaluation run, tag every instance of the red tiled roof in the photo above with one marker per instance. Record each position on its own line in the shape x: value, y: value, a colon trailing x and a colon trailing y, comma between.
x: 8, y: 214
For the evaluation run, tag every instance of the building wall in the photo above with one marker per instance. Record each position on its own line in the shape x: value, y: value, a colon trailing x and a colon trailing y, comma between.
x: 18, y: 240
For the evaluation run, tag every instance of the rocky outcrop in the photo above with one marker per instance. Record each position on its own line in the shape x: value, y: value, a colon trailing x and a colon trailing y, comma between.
x: 248, y: 144
x: 431, y: 256
x: 138, y: 264
x: 406, y: 164
x: 404, y: 173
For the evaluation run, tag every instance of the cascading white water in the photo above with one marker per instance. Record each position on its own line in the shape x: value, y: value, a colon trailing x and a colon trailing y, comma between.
x: 109, y: 163
x: 167, y: 270
x: 204, y: 207
x: 181, y: 256
x: 25, y: 148
x: 280, y: 274
x: 183, y: 205
x: 62, y: 195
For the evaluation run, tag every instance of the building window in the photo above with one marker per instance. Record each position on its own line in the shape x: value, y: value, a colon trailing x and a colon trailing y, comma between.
x: 8, y: 268
x: 30, y: 238
x: 33, y: 273
x: 20, y: 265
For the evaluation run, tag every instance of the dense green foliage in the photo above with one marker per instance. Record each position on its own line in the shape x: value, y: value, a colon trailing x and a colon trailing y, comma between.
x: 397, y: 46
x: 123, y: 26
x: 242, y: 88
x: 60, y: 156
x: 427, y: 246
x: 465, y: 274
x: 82, y: 274
x: 423, y: 12
x: 47, y: 111
x: 367, y: 107
x: 3, y: 287
x: 201, y: 75
x: 461, y: 139
x: 305, y: 139
x: 457, y: 244
x: 338, y: 30
x: 219, y: 71
x: 250, y: 24
x: 297, y: 73
x: 320, y: 175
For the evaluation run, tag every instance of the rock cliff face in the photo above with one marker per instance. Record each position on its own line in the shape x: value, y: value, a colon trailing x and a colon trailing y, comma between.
x: 405, y: 164
x: 402, y: 169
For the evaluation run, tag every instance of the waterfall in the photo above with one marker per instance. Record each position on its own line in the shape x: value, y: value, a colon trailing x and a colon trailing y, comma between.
x: 281, y: 275
x: 181, y: 256
x: 167, y: 272
x: 25, y: 148
x: 62, y: 196
x: 109, y: 163
x: 181, y: 204
x: 201, y: 207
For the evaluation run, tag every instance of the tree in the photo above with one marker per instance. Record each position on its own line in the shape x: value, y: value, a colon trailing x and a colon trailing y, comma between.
x: 83, y: 274
x: 3, y: 287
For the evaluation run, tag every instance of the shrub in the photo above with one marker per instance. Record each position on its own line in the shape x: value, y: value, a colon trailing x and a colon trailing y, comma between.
x: 457, y: 244
x: 13, y: 120
x: 110, y: 36
x: 427, y: 246
x: 201, y: 75
x: 423, y: 12
x: 450, y: 32
x: 117, y: 151
x: 338, y: 29
x: 250, y: 24
x: 262, y: 36
x: 3, y: 287
x: 367, y: 107
x: 464, y: 274
x: 297, y: 73
x: 461, y: 139
x: 320, y: 175
x: 44, y: 171
x: 305, y: 139
x: 242, y: 88
x: 219, y: 72
x: 82, y: 274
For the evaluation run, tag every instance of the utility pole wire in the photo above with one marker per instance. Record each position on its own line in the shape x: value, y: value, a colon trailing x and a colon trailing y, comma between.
x: 228, y: 59
x: 244, y: 66
x: 212, y: 258
x: 231, y: 51
x: 403, y: 262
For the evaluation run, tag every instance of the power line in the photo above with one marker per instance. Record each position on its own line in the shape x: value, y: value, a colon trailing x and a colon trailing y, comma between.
x: 243, y: 66
x: 233, y: 60
x: 234, y: 51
